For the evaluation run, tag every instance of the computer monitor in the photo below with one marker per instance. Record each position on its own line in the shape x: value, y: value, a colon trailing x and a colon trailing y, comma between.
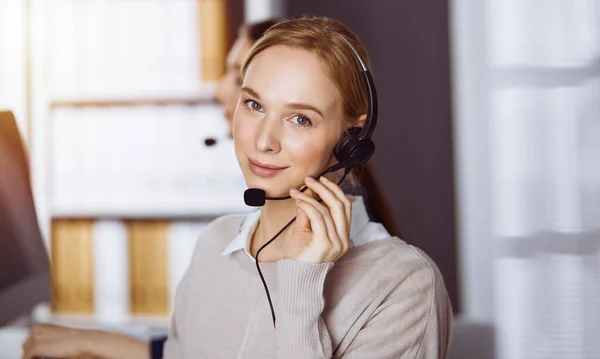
x: 24, y: 264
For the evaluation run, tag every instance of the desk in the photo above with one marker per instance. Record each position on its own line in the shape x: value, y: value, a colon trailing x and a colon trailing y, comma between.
x: 11, y: 339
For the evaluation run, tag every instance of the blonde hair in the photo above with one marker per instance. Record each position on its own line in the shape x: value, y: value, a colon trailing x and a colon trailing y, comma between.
x: 318, y: 35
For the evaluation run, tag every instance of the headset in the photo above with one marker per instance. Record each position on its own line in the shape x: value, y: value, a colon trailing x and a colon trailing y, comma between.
x: 354, y: 148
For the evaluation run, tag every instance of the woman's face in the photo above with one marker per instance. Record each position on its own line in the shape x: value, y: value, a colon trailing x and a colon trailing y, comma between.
x: 228, y: 88
x: 287, y: 120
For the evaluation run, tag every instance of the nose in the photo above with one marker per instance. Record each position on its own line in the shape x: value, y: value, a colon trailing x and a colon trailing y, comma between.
x: 268, y: 135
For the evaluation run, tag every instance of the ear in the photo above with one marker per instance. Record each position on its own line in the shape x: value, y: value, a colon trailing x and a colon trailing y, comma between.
x: 360, y: 121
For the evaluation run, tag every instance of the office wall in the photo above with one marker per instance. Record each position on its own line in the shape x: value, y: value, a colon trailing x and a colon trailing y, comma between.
x: 413, y: 163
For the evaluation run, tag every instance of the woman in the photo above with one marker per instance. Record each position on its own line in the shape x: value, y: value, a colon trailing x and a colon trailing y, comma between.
x: 57, y: 341
x: 335, y: 284
x: 413, y: 307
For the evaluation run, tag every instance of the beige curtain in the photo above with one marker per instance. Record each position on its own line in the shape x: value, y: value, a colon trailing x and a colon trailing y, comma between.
x: 527, y: 87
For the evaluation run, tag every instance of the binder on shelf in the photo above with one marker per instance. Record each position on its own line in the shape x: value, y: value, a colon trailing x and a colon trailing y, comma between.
x: 71, y: 266
x: 148, y: 267
x: 213, y: 38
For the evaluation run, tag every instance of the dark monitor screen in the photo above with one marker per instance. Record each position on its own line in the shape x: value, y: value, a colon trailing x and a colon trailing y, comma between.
x: 24, y: 264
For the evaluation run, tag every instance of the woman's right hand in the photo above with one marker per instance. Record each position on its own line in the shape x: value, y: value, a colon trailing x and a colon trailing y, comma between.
x: 54, y: 341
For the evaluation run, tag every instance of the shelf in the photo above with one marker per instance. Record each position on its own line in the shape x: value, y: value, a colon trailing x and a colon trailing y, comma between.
x: 133, y: 102
x: 179, y: 210
x: 201, y: 96
x: 138, y: 326
x: 143, y: 327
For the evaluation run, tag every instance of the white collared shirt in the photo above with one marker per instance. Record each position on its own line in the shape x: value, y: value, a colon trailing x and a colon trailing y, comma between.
x: 362, y: 230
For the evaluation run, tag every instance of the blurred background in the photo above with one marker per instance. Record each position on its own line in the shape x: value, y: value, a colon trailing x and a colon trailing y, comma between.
x: 488, y: 153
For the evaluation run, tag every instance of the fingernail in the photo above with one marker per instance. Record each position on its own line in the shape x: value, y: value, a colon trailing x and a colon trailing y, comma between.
x: 324, y: 179
x: 294, y: 191
x: 310, y: 179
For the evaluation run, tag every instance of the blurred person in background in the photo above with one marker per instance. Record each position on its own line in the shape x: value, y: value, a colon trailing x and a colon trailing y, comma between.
x: 47, y: 340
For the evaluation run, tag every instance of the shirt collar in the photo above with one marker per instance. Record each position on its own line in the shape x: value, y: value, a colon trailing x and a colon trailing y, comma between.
x: 360, y: 219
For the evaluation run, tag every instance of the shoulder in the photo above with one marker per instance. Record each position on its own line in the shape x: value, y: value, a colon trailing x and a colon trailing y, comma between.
x: 227, y: 223
x: 421, y: 288
x: 393, y: 253
x: 409, y: 265
x: 431, y: 301
x: 220, y: 231
x: 400, y: 271
x: 405, y: 285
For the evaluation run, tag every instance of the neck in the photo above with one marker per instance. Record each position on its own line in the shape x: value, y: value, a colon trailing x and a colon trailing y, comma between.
x: 274, y: 215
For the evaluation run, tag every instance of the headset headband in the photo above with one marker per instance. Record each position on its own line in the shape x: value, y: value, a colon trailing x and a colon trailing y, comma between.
x: 371, y: 121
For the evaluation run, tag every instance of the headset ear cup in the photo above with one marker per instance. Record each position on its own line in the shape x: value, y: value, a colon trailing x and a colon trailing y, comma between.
x: 360, y: 152
x: 351, y: 151
x: 341, y: 149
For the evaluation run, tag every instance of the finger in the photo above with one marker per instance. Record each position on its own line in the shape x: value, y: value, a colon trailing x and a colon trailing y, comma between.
x: 336, y: 207
x: 307, y: 191
x: 302, y: 222
x: 317, y: 224
x: 340, y: 195
x: 303, y: 196
x: 343, y: 231
x: 332, y: 235
x: 333, y: 242
x: 328, y: 197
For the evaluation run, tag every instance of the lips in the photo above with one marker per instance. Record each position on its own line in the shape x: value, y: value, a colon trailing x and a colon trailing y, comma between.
x: 264, y: 169
x: 266, y: 165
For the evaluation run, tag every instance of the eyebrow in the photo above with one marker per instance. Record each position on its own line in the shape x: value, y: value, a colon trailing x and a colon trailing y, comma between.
x: 294, y: 105
x: 251, y: 92
x: 302, y: 106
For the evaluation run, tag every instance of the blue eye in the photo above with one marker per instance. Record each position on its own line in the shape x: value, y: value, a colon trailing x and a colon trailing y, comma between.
x: 253, y: 105
x: 301, y: 120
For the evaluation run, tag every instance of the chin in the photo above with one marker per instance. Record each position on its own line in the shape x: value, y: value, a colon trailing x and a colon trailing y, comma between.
x: 277, y: 186
x: 271, y: 186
